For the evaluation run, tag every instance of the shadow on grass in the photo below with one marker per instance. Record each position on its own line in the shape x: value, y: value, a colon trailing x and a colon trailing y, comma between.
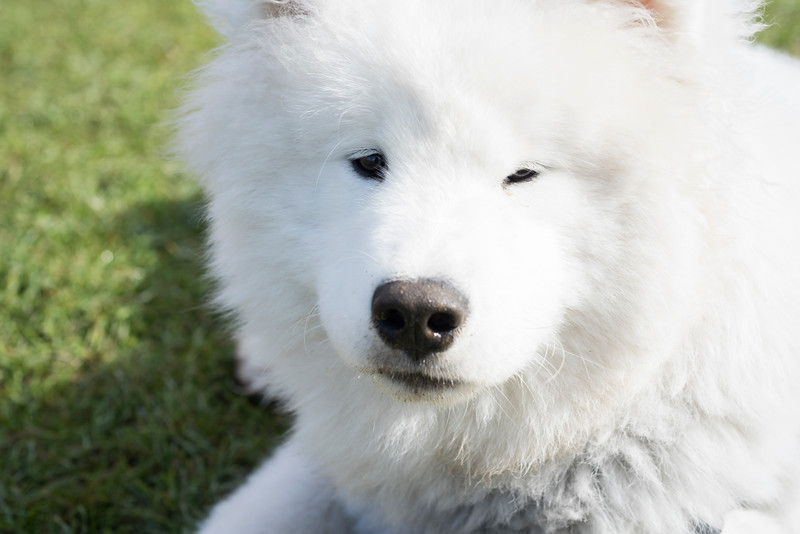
x: 147, y: 439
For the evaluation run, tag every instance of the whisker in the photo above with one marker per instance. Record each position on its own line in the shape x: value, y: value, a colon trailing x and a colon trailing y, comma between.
x: 325, y: 162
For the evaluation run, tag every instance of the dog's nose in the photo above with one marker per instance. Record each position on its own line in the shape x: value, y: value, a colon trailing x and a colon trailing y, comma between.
x: 418, y: 317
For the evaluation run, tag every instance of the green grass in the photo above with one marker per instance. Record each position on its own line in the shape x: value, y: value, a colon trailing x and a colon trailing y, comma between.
x: 783, y: 18
x: 118, y: 411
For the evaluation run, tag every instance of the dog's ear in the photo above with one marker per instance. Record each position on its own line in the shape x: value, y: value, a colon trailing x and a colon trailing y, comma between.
x: 702, y: 21
x: 230, y: 16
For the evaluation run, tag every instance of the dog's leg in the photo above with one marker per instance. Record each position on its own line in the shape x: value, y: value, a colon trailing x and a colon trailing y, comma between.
x: 286, y: 495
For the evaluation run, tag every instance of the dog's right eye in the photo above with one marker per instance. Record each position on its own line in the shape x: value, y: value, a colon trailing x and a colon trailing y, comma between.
x: 522, y: 175
x: 371, y: 166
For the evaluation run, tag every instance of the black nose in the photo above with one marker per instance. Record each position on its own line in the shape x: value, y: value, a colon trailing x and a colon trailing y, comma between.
x: 418, y: 317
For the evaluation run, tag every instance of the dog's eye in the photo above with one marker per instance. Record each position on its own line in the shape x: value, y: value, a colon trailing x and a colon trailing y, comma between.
x: 371, y: 166
x: 522, y: 175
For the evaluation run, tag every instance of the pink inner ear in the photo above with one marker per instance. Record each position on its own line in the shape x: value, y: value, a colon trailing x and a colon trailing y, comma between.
x: 657, y: 8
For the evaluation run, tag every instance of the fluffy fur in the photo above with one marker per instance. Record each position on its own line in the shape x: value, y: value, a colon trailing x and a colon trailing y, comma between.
x: 630, y: 363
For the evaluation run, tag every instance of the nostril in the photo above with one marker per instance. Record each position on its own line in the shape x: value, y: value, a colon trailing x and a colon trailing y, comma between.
x: 443, y: 322
x: 391, y: 320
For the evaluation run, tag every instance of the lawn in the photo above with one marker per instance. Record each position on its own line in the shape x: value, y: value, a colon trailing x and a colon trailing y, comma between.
x: 118, y: 411
x: 117, y: 408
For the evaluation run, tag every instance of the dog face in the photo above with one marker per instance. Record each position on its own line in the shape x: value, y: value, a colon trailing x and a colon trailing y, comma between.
x: 455, y: 212
x: 460, y: 225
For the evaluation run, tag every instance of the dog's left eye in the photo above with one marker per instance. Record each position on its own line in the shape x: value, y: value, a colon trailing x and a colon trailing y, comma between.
x: 371, y: 166
x: 522, y: 175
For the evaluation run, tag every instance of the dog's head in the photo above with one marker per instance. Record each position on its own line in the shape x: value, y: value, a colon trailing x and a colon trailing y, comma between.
x: 457, y: 195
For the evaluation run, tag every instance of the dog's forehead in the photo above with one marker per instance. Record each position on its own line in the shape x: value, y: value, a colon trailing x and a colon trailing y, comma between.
x: 430, y: 53
x: 418, y: 75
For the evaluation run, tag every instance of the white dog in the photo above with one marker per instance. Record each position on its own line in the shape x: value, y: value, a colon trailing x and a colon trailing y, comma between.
x: 514, y: 265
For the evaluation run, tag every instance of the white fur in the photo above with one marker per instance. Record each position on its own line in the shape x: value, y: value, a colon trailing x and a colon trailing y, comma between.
x: 631, y: 359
